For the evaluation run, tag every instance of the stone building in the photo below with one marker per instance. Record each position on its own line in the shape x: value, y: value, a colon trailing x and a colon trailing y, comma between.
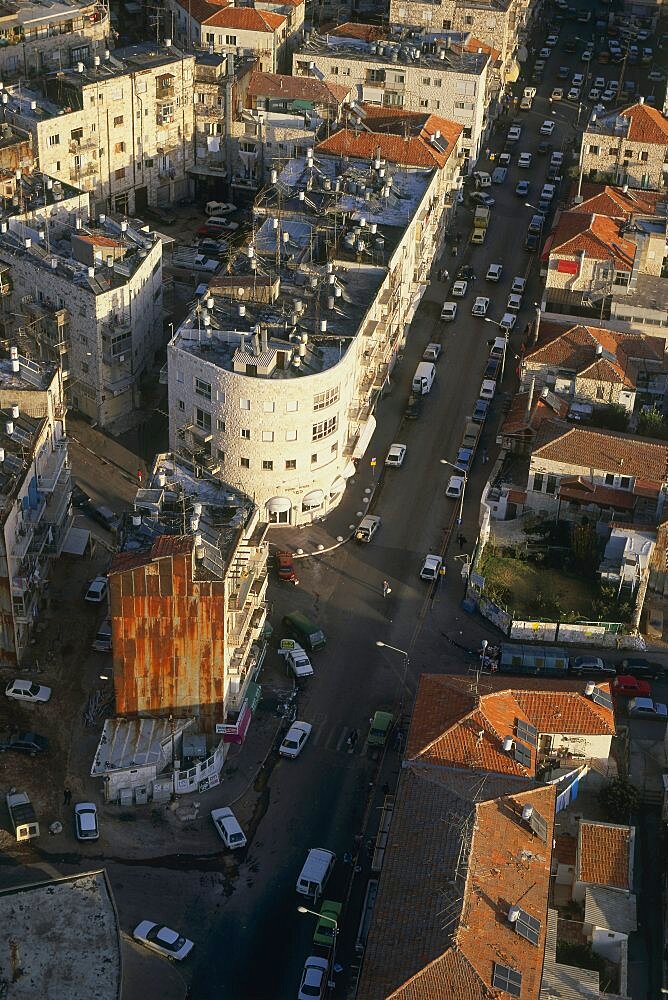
x: 435, y: 78
x: 88, y: 297
x: 121, y: 129
x: 627, y: 147
x: 35, y: 495
x: 38, y: 38
x: 274, y: 376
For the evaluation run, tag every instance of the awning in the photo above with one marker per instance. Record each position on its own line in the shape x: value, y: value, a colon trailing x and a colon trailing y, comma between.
x: 278, y: 505
x: 513, y: 73
x: 253, y: 695
x: 76, y: 542
x: 338, y: 486
x: 313, y: 499
x: 364, y: 438
x: 349, y: 471
x: 300, y: 105
x: 547, y: 246
x: 236, y: 732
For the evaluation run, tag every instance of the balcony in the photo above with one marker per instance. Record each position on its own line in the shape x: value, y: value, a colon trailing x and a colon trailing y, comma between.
x: 52, y: 467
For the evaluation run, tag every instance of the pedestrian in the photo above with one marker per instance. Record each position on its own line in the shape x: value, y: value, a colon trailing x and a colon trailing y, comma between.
x: 67, y: 795
x: 461, y: 541
x: 385, y: 789
x: 485, y: 456
x: 398, y: 740
x: 139, y: 476
x: 387, y: 590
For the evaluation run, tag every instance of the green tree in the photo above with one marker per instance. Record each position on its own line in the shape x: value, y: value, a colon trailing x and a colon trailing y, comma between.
x: 652, y: 423
x: 608, y: 607
x: 613, y: 417
x: 619, y: 799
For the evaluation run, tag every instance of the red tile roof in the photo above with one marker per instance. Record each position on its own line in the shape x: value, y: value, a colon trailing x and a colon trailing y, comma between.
x: 597, y: 235
x: 574, y: 348
x: 647, y: 124
x: 606, y: 199
x: 290, y: 88
x: 474, y: 44
x: 582, y: 491
x: 518, y: 422
x: 245, y: 19
x: 605, y: 451
x: 365, y: 32
x: 98, y: 240
x: 604, y: 854
x: 398, y: 146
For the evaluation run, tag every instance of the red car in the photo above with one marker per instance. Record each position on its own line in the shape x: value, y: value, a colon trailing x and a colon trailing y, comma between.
x: 286, y: 567
x: 631, y: 687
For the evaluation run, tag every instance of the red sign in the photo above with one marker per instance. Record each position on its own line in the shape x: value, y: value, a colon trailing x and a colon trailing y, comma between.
x: 568, y: 266
x: 237, y: 733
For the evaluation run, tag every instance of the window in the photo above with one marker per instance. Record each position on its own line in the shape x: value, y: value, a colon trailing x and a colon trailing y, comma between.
x: 314, y: 458
x: 324, y: 428
x: 628, y: 154
x: 437, y: 81
x: 118, y: 120
x: 202, y: 419
x: 538, y: 478
x: 220, y: 424
x: 621, y: 278
x: 181, y: 405
x: 76, y: 135
x: 267, y: 465
x: 424, y: 104
x: 625, y: 482
x: 244, y: 463
x: 291, y: 463
x: 447, y: 25
x: 221, y: 455
x: 245, y: 433
x: 612, y: 151
x: 335, y: 448
x: 291, y: 406
x: 267, y: 435
x: 609, y: 479
x: 594, y: 150
x: 291, y: 435
x: 600, y: 394
x: 551, y: 485
x: 244, y: 404
x: 210, y: 37
x: 426, y: 80
x: 326, y: 398
x: 54, y: 140
x: 203, y: 389
x: 119, y: 147
x: 200, y: 98
x: 268, y: 407
x: 643, y: 157
x: 119, y: 174
x: 230, y: 39
x: 334, y: 70
x: 507, y: 979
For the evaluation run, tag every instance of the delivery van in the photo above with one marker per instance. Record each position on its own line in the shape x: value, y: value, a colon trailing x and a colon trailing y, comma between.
x: 315, y: 873
x: 309, y: 635
x: 424, y: 378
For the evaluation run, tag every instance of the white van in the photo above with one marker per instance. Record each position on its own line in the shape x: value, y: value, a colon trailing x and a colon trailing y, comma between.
x: 487, y: 389
x: 315, y: 873
x: 227, y: 828
x: 424, y: 378
x: 483, y: 179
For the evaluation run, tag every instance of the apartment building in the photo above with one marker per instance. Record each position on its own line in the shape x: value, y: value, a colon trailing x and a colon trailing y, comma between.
x: 627, y: 147
x: 504, y: 25
x: 120, y: 129
x: 421, y: 74
x: 274, y: 376
x: 88, y: 297
x: 38, y: 38
x: 266, y: 31
x: 35, y: 495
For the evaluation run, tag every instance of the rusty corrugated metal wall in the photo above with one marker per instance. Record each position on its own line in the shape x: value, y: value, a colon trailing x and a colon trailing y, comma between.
x: 168, y: 639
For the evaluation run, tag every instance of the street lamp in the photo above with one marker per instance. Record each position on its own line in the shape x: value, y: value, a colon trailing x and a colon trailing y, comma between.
x: 404, y: 653
x: 505, y: 345
x: 332, y: 920
x: 465, y: 479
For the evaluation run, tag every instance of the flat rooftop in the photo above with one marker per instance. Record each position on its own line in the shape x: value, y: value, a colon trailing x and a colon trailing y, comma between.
x: 30, y: 374
x: 34, y: 192
x: 179, y: 501
x: 61, y: 939
x: 399, y: 51
x: 134, y: 743
x: 28, y: 12
x: 650, y: 292
x: 17, y: 442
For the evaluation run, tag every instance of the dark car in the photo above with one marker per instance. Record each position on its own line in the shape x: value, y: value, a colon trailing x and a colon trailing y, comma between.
x: 571, y: 45
x: 638, y: 666
x: 31, y: 743
x: 591, y: 666
x: 466, y: 272
x: 413, y: 407
x: 160, y: 215
x: 104, y: 516
x: 480, y: 411
x: 544, y: 147
x: 531, y: 242
x: 80, y: 499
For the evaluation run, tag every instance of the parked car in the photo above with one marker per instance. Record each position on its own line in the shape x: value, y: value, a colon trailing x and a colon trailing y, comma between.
x: 104, y: 516
x: 297, y: 661
x: 431, y: 567
x: 228, y: 828
x: 590, y: 666
x: 162, y: 215
x: 504, y: 159
x: 494, y: 272
x: 30, y: 743
x: 531, y: 242
x: 466, y: 272
x: 524, y: 161
x: 432, y: 352
x: 85, y: 821
x: 379, y: 728
x: 482, y: 198
x: 573, y: 94
x: 28, y: 691
x: 515, y: 131
x: 547, y: 128
x: 295, y: 739
x: 557, y: 94
x: 629, y: 686
x: 396, y: 455
x: 325, y: 930
x: 162, y: 939
x: 456, y: 484
x: 459, y: 289
x: 480, y: 306
x: 464, y: 459
x: 643, y: 669
x: 413, y: 407
x: 514, y: 303
x: 522, y: 188
x: 97, y: 590
x: 518, y: 285
x: 367, y: 528
x: 314, y: 978
x: 285, y: 567
x: 645, y: 708
x: 448, y: 311
x: 479, y: 416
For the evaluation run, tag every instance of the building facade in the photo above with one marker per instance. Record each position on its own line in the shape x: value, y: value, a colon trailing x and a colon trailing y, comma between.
x: 627, y: 147
x: 38, y: 39
x: 121, y: 129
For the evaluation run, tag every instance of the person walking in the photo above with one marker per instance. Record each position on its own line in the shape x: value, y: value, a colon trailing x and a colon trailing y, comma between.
x: 67, y: 795
x: 485, y: 456
x: 387, y: 590
x: 461, y: 541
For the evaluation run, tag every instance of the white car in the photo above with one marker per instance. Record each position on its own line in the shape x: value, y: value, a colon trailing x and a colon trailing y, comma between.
x: 295, y: 739
x: 599, y: 83
x: 514, y: 132
x: 594, y: 94
x: 480, y: 306
x: 297, y: 660
x: 97, y: 590
x: 547, y: 192
x: 547, y: 128
x: 396, y: 455
x: 455, y: 487
x: 524, y: 160
x: 367, y: 528
x: 459, y: 289
x: 586, y: 55
x: 607, y: 96
x: 162, y: 939
x: 557, y: 94
x: 518, y: 285
x: 27, y: 691
x: 551, y: 41
x: 314, y: 979
x: 573, y: 94
x: 508, y: 321
x: 514, y: 302
x: 449, y: 311
x: 431, y: 567
x: 578, y: 80
x: 85, y: 820
x: 545, y: 53
x: 613, y: 85
x: 494, y: 272
x: 227, y: 828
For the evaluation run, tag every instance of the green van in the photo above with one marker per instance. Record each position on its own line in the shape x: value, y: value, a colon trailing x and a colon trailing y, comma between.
x: 304, y: 631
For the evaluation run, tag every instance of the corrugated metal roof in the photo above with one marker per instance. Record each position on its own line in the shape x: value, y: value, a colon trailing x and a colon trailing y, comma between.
x: 610, y: 908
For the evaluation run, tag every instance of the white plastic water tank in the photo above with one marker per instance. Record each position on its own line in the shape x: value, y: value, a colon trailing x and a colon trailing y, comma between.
x: 527, y: 813
x: 590, y: 687
x: 14, y: 410
x: 136, y: 520
x: 508, y: 744
x: 513, y: 914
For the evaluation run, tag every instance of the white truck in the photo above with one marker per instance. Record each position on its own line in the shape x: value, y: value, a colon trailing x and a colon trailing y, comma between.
x: 22, y: 815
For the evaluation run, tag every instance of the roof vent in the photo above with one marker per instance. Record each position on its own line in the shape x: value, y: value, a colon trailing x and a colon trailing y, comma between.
x: 508, y: 744
x: 124, y: 226
x: 513, y: 914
